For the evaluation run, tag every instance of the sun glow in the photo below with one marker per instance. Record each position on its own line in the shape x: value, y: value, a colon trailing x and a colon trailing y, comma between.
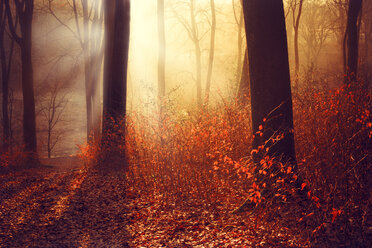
x: 180, y: 50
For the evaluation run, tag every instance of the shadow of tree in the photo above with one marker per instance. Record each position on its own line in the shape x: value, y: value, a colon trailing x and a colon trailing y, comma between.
x: 85, y: 210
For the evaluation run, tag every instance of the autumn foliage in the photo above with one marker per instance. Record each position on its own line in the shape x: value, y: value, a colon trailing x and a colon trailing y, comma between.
x: 14, y: 159
x: 203, y: 158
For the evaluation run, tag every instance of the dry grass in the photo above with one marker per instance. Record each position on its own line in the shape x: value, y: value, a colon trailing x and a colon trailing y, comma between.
x: 203, y: 158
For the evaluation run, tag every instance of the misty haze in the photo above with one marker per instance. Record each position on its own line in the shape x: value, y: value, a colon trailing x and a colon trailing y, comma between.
x: 185, y: 123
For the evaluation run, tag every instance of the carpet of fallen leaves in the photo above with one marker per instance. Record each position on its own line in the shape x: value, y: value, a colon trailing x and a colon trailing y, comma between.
x: 72, y: 206
x: 154, y: 223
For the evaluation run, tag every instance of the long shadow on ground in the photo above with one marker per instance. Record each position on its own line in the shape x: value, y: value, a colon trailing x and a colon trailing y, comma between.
x: 79, y: 209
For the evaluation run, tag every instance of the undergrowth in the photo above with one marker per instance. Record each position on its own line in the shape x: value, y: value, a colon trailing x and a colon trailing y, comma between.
x: 204, y: 157
x: 13, y: 159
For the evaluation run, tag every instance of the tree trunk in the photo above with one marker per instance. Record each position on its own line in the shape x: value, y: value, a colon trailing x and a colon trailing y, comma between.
x: 162, y: 54
x: 5, y: 69
x: 87, y: 71
x: 211, y: 53
x: 244, y: 88
x: 197, y: 54
x: 117, y: 27
x: 29, y: 120
x: 352, y: 40
x: 24, y: 10
x: 94, y: 39
x: 49, y: 140
x: 5, y: 96
x: 240, y: 44
x: 296, y: 26
x: 269, y: 77
x: 367, y: 42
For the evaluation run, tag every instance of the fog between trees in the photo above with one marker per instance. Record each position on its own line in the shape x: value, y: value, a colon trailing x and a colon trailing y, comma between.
x: 58, y: 56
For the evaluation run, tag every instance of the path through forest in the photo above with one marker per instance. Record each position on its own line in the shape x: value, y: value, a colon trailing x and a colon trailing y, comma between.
x: 67, y: 205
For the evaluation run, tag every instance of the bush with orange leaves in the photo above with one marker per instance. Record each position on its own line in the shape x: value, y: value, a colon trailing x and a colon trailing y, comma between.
x: 203, y: 157
x: 13, y: 159
x: 190, y: 154
x: 333, y: 143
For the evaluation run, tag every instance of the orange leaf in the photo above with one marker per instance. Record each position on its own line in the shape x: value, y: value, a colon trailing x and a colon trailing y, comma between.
x: 303, y: 185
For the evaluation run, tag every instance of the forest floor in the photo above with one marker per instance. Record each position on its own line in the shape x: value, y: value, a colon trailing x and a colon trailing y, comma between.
x: 67, y: 205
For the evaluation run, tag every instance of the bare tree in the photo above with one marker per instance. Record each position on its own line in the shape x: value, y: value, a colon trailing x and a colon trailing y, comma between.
x: 211, y: 52
x: 338, y: 12
x: 296, y: 9
x: 315, y: 29
x: 24, y: 14
x: 195, y: 35
x: 53, y: 102
x: 92, y: 46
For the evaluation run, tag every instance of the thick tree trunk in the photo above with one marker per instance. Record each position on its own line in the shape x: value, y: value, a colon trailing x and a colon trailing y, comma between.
x: 117, y: 26
x: 211, y: 52
x: 352, y: 39
x: 29, y: 120
x: 269, y: 76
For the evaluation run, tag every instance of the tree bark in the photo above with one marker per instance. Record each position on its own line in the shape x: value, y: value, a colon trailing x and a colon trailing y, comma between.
x: 352, y: 40
x: 269, y: 77
x: 117, y: 27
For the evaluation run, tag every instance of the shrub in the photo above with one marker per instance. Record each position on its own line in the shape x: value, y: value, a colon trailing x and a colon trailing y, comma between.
x: 194, y: 156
